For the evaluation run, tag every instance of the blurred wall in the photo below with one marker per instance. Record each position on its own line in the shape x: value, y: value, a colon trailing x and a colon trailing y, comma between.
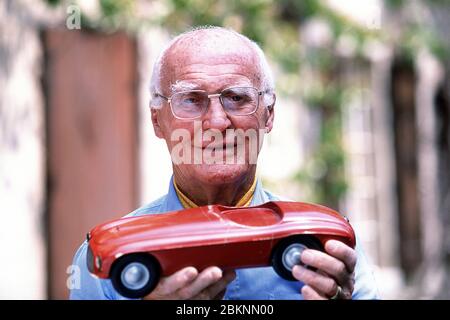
x: 90, y: 81
x: 22, y: 157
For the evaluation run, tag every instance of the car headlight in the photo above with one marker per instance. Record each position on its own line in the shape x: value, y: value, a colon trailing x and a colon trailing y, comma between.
x: 98, y: 263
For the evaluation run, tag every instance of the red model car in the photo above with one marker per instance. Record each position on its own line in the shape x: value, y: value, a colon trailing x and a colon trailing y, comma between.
x: 135, y: 252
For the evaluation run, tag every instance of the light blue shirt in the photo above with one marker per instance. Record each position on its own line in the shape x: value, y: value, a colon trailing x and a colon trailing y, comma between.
x: 252, y: 283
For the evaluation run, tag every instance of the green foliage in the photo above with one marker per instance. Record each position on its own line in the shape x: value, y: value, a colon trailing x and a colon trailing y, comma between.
x: 54, y: 3
x: 394, y: 4
x: 417, y: 37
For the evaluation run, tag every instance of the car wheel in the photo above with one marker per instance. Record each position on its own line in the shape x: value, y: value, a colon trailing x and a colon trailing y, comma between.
x: 288, y: 251
x: 135, y: 275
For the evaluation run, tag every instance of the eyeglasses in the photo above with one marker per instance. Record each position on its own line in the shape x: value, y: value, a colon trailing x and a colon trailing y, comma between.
x: 236, y: 101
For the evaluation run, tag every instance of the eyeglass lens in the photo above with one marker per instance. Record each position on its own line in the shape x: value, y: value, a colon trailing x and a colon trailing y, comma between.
x: 235, y: 101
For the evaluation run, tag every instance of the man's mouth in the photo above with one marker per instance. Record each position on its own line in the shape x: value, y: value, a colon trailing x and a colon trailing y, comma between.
x: 217, y: 146
x: 220, y: 144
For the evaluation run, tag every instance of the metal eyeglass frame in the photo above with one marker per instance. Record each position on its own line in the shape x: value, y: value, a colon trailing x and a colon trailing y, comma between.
x: 169, y: 100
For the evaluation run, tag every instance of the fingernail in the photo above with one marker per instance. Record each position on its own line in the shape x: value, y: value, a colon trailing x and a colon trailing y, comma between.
x: 331, y: 245
x: 217, y: 273
x: 298, y: 270
x: 307, y: 256
x: 190, y: 274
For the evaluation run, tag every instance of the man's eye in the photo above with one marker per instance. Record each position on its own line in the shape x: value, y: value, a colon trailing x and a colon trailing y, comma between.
x: 190, y: 100
x: 237, y: 98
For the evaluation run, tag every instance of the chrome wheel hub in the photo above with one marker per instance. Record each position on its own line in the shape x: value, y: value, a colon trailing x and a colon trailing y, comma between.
x: 135, y: 276
x: 291, y: 255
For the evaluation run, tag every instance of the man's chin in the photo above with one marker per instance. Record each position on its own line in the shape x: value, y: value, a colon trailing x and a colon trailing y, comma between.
x: 218, y: 174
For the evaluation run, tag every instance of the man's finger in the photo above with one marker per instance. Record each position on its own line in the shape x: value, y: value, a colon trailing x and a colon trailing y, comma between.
x: 319, y: 282
x: 221, y: 285
x: 342, y: 252
x: 326, y: 263
x: 169, y: 285
x: 205, y: 279
x: 311, y: 294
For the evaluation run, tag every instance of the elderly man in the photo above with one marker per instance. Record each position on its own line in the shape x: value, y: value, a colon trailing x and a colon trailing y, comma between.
x: 208, y: 83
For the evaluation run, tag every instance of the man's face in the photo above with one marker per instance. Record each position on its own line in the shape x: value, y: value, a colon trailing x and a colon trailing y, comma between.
x: 213, y: 71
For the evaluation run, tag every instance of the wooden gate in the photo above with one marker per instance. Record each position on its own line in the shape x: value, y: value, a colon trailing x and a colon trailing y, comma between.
x: 90, y: 84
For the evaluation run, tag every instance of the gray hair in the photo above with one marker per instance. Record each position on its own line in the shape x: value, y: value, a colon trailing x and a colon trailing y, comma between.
x: 267, y: 81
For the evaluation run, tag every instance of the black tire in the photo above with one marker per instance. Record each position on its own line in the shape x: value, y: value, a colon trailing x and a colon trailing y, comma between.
x: 149, y: 266
x: 280, y: 268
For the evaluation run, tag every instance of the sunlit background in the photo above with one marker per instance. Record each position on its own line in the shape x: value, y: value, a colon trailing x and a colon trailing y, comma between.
x: 362, y: 125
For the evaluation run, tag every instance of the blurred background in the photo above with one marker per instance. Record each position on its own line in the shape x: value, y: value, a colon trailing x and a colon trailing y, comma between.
x: 362, y: 125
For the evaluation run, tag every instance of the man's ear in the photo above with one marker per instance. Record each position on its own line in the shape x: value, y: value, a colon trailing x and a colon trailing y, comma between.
x: 271, y: 114
x: 155, y: 121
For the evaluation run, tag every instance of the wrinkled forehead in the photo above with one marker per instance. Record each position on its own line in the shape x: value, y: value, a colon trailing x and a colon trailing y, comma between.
x: 211, y: 54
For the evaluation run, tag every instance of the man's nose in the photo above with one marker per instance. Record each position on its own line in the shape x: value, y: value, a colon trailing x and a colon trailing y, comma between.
x: 215, y: 117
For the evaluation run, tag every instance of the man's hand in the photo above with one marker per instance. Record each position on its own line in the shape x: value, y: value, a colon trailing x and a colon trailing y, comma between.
x: 187, y: 284
x: 335, y: 269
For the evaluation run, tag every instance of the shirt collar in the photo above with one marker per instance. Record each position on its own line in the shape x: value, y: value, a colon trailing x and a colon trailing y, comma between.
x: 259, y: 196
x: 172, y: 202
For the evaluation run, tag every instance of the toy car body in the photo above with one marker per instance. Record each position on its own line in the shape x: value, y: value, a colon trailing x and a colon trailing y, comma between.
x: 136, y: 251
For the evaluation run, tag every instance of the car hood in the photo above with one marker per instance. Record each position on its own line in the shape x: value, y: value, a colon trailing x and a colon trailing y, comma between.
x: 158, y: 227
